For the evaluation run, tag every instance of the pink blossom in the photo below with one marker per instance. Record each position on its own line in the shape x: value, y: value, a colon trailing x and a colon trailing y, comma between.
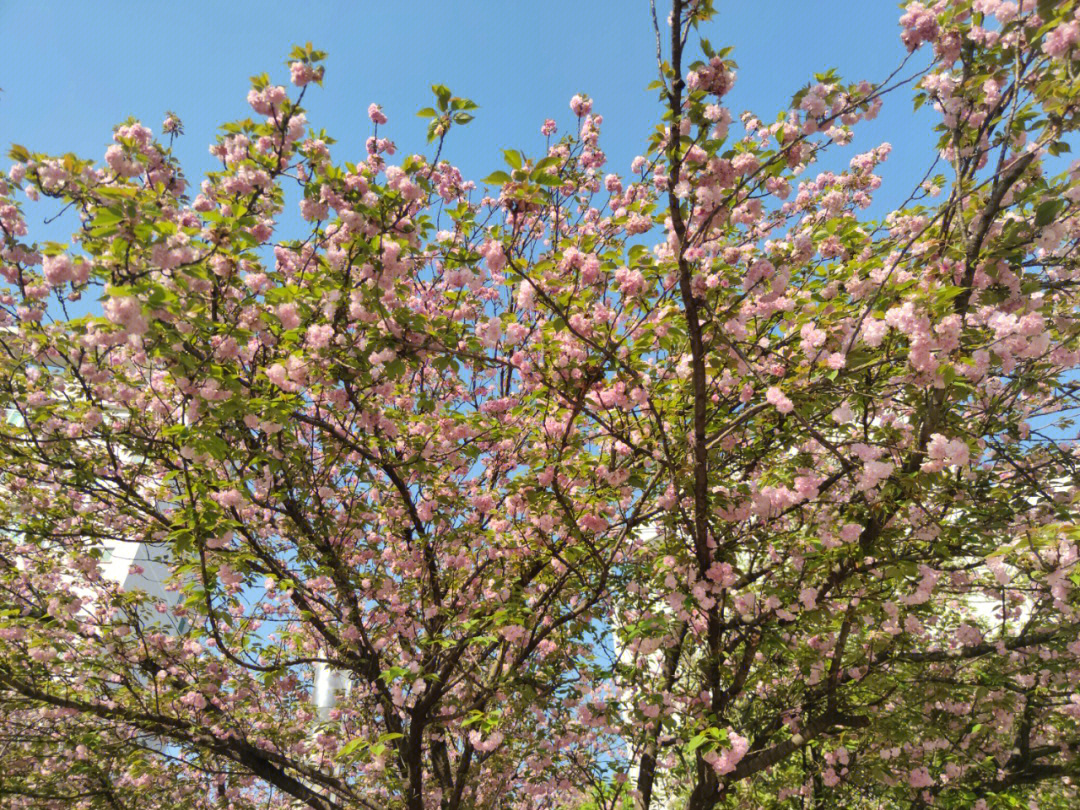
x: 920, y: 25
x: 386, y: 355
x: 943, y: 452
x: 813, y: 337
x: 172, y: 125
x: 874, y: 331
x: 920, y: 778
x: 873, y: 473
x: 288, y: 316
x: 485, y: 745
x: 301, y: 74
x: 843, y: 414
x: 220, y: 541
x: 745, y: 163
x: 266, y: 101
x: 516, y: 332
x: 1062, y: 39
x: 277, y: 375
x: 313, y: 210
x: 195, y: 700
x: 1006, y: 11
x: 807, y: 486
x: 968, y: 635
x: 775, y: 397
x: 229, y: 497
x: 495, y: 255
x: 728, y: 758
x: 229, y: 576
x: 375, y: 112
x: 631, y: 282
x: 813, y: 103
x: 127, y: 312
x: 722, y: 574
x: 526, y: 296
x: 489, y: 332
x: 594, y: 523
x: 319, y: 335
x: 57, y: 269
x: 580, y: 105
x: 851, y: 532
x: 121, y: 163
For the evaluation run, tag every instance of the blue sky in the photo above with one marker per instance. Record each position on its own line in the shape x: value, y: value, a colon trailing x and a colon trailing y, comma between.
x: 71, y: 70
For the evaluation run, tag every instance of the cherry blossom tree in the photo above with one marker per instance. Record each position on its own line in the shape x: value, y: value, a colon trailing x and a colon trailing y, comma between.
x: 690, y: 487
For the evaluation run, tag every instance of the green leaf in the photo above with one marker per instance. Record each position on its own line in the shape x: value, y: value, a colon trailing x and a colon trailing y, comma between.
x: 546, y: 163
x: 442, y: 93
x: 497, y: 178
x: 474, y: 718
x: 427, y: 112
x: 1046, y: 212
x: 351, y: 746
x: 514, y: 158
x: 1046, y: 8
x: 104, y: 224
x: 392, y: 674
